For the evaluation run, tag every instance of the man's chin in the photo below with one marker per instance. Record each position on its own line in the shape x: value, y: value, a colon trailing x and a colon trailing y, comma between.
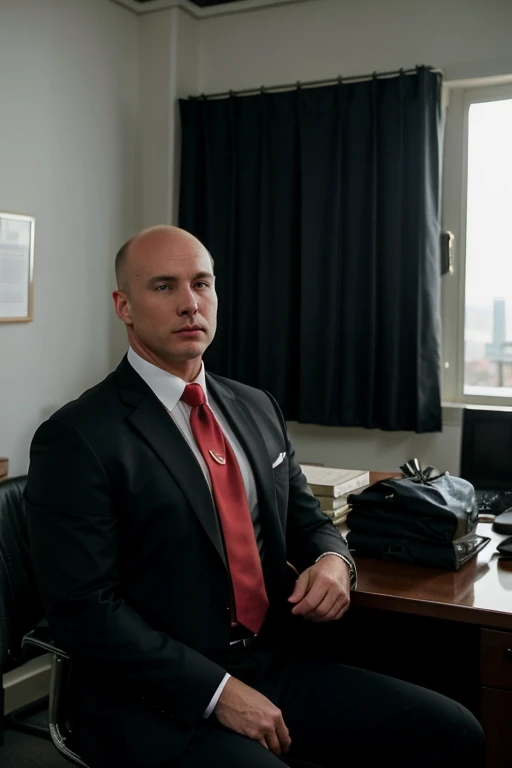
x: 188, y: 350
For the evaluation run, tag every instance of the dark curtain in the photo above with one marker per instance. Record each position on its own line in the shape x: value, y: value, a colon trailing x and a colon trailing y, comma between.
x: 321, y: 208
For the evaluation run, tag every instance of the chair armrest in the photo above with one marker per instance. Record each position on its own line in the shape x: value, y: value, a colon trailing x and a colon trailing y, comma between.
x: 41, y: 638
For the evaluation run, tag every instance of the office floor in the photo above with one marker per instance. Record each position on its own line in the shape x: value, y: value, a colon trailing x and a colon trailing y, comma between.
x: 22, y: 751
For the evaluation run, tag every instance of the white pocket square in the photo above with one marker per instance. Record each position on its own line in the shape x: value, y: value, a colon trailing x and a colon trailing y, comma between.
x: 279, y: 460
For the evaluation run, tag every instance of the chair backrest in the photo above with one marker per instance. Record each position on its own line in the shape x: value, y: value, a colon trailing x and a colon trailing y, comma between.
x: 20, y: 606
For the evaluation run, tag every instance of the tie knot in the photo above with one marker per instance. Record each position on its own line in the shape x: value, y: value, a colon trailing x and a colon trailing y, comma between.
x: 193, y: 395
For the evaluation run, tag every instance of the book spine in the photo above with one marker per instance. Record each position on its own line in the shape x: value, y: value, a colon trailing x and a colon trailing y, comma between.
x: 330, y: 505
x: 352, y: 485
x: 335, y: 513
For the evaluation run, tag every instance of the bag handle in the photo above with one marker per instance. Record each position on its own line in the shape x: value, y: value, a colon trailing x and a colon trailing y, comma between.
x: 412, y: 470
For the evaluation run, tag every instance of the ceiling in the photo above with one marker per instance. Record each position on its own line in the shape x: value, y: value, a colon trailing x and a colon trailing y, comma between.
x: 200, y: 3
x: 202, y: 8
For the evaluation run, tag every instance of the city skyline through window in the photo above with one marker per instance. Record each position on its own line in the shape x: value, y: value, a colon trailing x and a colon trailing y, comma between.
x: 488, y: 290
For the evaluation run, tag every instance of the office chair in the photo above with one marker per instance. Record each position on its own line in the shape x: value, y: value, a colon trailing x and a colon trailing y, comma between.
x: 20, y: 609
x: 21, y: 623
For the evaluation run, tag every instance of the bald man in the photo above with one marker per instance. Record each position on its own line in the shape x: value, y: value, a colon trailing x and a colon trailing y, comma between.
x: 164, y: 507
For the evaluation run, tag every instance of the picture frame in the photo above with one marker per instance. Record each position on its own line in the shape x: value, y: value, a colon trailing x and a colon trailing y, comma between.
x: 16, y: 267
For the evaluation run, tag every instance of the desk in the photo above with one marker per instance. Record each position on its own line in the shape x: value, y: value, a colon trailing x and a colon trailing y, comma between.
x: 463, y: 631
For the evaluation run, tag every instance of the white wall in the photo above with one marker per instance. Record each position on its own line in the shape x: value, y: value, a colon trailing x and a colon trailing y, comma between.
x: 68, y: 149
x: 155, y: 97
x: 377, y: 450
x: 327, y: 38
x: 188, y: 71
x: 169, y: 69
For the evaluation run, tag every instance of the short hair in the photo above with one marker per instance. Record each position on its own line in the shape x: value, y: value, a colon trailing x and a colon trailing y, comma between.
x: 121, y: 255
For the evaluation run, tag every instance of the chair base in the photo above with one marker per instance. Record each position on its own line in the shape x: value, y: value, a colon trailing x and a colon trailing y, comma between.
x: 31, y: 719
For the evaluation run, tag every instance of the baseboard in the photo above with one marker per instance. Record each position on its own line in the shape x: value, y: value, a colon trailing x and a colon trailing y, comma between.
x: 27, y: 683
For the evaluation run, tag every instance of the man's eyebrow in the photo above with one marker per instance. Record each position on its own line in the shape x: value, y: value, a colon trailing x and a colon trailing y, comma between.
x: 173, y: 279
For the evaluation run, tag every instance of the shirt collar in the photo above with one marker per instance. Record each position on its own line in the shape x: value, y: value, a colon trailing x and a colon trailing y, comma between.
x: 167, y: 388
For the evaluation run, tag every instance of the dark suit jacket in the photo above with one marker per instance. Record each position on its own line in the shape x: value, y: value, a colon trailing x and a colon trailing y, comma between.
x: 129, y: 558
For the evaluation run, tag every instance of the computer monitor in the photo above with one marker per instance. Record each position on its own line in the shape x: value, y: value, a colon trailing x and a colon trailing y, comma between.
x: 486, y: 452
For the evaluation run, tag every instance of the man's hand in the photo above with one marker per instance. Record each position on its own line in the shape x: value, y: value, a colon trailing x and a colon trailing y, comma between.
x: 322, y: 592
x: 246, y: 711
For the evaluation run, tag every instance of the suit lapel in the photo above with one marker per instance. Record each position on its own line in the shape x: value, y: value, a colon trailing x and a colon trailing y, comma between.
x: 248, y: 433
x: 243, y: 424
x: 154, y: 424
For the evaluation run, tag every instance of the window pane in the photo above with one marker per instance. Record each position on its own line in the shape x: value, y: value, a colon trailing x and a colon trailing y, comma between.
x: 488, y: 306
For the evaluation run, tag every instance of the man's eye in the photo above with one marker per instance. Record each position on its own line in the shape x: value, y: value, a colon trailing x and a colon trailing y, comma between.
x: 161, y: 288
x: 202, y: 284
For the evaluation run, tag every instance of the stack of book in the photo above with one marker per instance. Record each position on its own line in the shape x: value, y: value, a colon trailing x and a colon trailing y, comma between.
x: 332, y: 486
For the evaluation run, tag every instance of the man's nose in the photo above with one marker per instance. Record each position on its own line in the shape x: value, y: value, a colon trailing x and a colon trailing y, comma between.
x: 187, y: 303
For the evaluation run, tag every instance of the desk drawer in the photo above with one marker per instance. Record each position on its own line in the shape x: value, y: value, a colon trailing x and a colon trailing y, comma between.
x: 495, y: 716
x: 496, y: 659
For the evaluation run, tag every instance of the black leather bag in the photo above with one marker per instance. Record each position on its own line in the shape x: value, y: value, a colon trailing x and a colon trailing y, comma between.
x: 425, y: 517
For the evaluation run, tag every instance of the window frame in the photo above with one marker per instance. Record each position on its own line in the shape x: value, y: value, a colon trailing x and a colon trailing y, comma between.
x: 458, y: 98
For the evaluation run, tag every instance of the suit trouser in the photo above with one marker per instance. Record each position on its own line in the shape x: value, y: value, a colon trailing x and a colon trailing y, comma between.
x: 341, y: 716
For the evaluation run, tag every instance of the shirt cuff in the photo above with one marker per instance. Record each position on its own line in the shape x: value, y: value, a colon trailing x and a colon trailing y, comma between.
x: 216, y: 696
x: 351, y: 566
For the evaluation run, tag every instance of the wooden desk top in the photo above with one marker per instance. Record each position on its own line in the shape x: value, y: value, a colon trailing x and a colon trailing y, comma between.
x: 479, y: 593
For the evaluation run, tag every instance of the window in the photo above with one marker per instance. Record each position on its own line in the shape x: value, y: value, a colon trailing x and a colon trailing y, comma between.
x: 477, y: 300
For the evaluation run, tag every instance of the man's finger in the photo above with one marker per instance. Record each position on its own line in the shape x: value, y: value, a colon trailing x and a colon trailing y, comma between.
x: 311, y: 600
x: 338, y: 609
x: 273, y: 742
x: 300, y: 589
x: 340, y: 613
x: 283, y: 735
x: 330, y: 599
x: 344, y: 607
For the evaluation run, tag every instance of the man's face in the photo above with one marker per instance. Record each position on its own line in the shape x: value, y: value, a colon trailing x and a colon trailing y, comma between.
x: 170, y: 306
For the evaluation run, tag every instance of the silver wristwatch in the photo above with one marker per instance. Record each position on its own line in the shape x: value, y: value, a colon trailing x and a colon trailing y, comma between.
x: 352, y: 567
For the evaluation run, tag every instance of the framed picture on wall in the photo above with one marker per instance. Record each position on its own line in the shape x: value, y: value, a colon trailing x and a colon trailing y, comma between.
x: 16, y: 267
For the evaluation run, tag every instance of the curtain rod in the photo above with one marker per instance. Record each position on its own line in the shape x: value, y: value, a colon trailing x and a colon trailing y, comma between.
x: 316, y: 83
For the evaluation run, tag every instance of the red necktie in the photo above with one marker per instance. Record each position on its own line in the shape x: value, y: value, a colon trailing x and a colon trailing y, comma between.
x: 250, y: 597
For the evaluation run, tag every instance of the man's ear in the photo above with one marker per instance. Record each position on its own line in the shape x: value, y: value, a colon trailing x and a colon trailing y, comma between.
x: 122, y: 306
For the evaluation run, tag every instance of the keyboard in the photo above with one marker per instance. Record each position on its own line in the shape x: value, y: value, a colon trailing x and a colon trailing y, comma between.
x: 493, y: 502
